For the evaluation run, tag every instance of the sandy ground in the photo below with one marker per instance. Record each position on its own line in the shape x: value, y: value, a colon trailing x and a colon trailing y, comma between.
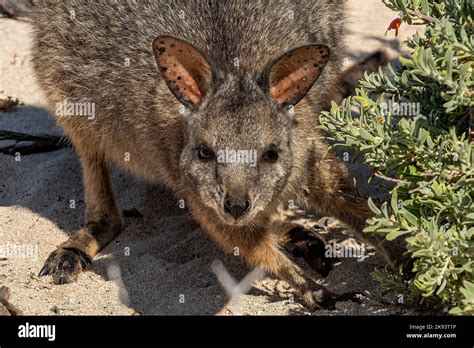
x: 161, y: 263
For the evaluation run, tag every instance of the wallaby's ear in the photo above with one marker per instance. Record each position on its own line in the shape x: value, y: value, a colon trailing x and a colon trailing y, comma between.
x: 292, y: 75
x: 185, y: 70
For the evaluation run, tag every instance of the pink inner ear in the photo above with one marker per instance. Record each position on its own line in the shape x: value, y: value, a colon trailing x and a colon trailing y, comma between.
x: 288, y: 88
x: 184, y: 69
x: 293, y: 75
x: 180, y: 79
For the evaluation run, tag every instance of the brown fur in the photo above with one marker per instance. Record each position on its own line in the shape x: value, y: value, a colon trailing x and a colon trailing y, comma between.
x: 287, y: 73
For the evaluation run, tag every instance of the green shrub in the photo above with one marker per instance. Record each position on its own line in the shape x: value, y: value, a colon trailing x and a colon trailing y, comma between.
x: 424, y: 149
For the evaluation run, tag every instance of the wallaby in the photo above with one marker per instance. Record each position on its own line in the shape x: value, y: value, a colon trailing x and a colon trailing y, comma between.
x: 218, y: 100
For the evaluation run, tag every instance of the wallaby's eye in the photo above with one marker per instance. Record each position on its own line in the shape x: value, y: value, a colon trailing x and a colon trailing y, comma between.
x: 205, y: 153
x: 271, y: 154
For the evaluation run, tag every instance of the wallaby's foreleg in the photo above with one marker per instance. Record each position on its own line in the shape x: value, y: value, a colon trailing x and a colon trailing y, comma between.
x: 103, y: 223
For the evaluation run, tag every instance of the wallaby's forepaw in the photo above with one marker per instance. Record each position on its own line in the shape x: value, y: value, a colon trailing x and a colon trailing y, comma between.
x: 65, y: 264
x: 311, y: 247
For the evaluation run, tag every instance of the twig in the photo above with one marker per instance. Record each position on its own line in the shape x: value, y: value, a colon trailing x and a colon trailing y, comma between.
x: 7, y: 306
x: 386, y: 178
x: 35, y: 143
x: 422, y: 16
x: 378, y: 299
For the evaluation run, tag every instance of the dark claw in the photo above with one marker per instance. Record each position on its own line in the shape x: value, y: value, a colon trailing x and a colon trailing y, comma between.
x: 44, y: 271
x: 61, y: 280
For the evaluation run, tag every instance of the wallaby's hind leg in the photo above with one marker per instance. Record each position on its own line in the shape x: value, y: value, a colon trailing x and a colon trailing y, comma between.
x: 103, y: 223
x: 337, y: 196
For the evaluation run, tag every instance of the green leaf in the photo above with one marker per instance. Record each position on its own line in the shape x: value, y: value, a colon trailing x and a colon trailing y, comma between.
x: 412, y: 219
x: 395, y: 234
x: 394, y: 201
x: 366, y: 135
x: 373, y: 207
x: 431, y: 151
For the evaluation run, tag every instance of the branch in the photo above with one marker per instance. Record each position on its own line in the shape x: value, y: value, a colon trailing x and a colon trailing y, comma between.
x: 386, y: 178
x: 27, y: 144
x: 422, y: 16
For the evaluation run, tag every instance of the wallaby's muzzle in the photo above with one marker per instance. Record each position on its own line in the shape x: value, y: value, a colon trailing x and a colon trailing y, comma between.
x: 236, y: 207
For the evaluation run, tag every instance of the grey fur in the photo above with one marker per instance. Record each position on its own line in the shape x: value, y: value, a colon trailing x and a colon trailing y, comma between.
x: 81, y: 53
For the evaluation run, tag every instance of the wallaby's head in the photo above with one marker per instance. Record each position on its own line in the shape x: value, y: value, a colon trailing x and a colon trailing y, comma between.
x: 238, y: 146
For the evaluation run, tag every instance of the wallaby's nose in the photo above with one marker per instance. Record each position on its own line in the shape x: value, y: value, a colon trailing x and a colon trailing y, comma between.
x: 236, y: 208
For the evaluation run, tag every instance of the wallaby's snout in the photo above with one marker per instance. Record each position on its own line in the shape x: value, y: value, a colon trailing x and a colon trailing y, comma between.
x: 238, y: 201
x: 236, y: 204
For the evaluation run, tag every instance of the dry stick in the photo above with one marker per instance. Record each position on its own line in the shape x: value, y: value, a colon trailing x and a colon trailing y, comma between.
x: 378, y: 299
x: 386, y: 178
x: 4, y: 297
x: 421, y: 16
x: 37, y: 143
x: 383, y: 301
